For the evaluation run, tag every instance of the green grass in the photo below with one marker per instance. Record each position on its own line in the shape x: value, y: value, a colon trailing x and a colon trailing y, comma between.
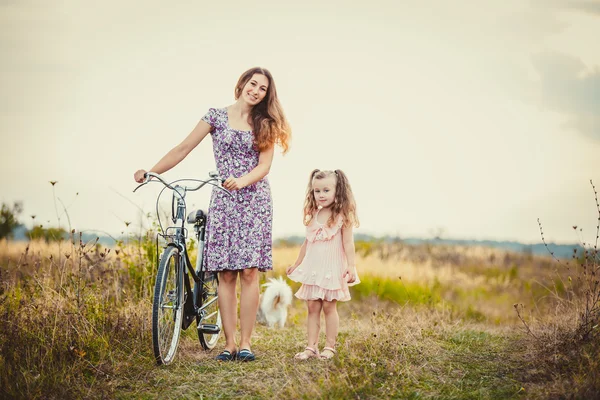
x: 397, y: 291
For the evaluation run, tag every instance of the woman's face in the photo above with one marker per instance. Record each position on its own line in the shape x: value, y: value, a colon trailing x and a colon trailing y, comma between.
x: 255, y: 89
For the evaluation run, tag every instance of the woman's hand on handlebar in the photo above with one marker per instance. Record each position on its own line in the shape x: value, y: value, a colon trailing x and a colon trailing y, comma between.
x: 232, y: 183
x: 140, y: 176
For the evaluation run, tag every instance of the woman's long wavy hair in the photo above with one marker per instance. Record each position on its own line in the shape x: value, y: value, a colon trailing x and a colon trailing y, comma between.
x: 343, y: 204
x: 268, y: 120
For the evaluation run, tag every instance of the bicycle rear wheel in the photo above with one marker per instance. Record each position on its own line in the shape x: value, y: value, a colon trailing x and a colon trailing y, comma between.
x: 167, y: 307
x: 209, y: 318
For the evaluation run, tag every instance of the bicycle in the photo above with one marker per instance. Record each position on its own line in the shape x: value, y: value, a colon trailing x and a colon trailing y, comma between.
x: 175, y: 304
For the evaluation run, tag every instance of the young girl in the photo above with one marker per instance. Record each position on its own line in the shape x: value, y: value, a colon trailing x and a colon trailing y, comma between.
x: 325, y: 265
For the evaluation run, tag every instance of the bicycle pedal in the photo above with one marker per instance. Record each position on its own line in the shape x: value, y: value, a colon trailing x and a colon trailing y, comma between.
x: 210, y: 329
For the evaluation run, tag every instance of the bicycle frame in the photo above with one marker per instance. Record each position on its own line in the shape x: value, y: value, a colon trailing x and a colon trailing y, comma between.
x: 192, y: 305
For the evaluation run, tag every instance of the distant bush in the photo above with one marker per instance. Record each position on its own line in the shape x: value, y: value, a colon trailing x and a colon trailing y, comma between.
x: 47, y: 234
x: 8, y: 219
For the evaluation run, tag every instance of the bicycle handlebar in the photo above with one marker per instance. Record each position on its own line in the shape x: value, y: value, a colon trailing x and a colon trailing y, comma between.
x: 214, y: 176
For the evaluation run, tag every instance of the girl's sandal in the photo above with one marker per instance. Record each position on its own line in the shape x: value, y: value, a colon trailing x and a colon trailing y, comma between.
x: 328, y: 353
x: 308, y: 352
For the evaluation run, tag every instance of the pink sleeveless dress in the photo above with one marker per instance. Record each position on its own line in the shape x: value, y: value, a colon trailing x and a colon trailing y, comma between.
x: 321, y: 271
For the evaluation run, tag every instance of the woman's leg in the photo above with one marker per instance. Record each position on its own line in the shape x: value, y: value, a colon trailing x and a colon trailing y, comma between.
x: 332, y: 323
x: 228, y: 306
x: 248, y: 304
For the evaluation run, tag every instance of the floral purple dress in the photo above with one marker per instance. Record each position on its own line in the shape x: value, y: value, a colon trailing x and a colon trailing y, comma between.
x: 238, y: 230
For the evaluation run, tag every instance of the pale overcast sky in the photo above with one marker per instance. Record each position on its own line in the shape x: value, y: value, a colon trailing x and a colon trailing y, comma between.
x: 469, y: 118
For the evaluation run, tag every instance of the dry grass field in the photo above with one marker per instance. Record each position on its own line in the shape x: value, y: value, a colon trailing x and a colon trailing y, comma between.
x: 426, y: 322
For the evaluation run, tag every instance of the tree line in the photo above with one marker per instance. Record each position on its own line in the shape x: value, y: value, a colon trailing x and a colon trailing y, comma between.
x: 9, y: 222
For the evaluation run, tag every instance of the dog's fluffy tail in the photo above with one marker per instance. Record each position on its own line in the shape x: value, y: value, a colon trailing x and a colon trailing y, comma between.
x: 277, y: 294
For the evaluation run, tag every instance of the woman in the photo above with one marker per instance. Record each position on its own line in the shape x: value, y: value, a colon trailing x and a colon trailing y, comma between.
x: 239, y: 230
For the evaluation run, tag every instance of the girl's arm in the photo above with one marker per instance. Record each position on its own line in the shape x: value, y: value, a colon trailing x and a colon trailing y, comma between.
x: 265, y: 159
x: 299, y: 259
x: 348, y: 241
x: 179, y: 152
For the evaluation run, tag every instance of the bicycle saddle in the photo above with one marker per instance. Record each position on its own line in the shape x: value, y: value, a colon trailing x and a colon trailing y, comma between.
x: 196, y: 216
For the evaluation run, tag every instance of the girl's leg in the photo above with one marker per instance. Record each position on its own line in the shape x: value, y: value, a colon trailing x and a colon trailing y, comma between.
x: 313, y: 325
x: 248, y: 305
x: 332, y: 324
x: 228, y: 306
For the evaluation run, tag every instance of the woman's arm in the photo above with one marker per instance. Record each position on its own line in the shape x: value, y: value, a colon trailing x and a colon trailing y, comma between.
x: 265, y: 159
x: 179, y: 152
x: 299, y: 259
x: 348, y: 241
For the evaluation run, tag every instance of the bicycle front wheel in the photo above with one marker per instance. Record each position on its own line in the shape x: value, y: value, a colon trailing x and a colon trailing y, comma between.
x: 167, y: 307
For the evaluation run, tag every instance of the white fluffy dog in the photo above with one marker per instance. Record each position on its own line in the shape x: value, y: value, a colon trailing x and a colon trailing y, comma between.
x: 274, y: 303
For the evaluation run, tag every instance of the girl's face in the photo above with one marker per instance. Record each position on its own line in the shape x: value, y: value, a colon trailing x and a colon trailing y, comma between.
x: 324, y: 191
x: 255, y: 89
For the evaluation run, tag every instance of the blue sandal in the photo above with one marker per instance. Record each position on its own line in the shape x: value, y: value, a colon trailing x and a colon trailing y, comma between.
x: 246, y: 355
x: 226, y: 355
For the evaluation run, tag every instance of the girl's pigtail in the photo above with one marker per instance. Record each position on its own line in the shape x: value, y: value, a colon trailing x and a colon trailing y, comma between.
x: 344, y: 200
x: 341, y: 189
x: 310, y: 205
